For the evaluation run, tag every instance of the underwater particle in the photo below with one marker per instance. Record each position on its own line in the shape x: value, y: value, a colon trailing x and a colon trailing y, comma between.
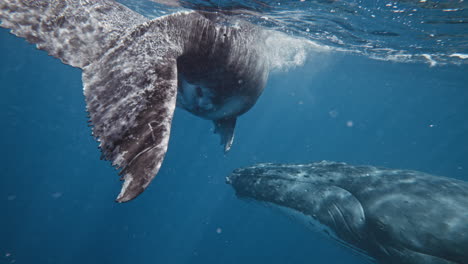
x: 219, y: 230
x: 57, y: 195
x: 8, y: 254
x: 350, y: 123
x: 11, y: 197
x: 333, y: 113
x: 300, y: 102
x: 431, y: 125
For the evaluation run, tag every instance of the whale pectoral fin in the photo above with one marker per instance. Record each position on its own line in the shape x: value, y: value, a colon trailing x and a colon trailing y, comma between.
x: 131, y: 96
x: 225, y: 128
x: 76, y: 32
x: 342, y: 211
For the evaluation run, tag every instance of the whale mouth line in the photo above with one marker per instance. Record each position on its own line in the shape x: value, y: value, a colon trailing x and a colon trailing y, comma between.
x: 231, y: 179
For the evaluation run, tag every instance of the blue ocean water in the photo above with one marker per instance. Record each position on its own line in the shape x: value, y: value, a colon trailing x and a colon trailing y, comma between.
x: 56, y: 196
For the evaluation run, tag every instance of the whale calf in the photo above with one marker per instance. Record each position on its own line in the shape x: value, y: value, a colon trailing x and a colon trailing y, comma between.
x: 136, y: 70
x: 388, y: 215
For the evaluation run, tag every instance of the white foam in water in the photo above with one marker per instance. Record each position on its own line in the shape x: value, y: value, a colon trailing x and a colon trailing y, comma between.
x: 459, y: 55
x: 431, y: 61
x: 285, y: 52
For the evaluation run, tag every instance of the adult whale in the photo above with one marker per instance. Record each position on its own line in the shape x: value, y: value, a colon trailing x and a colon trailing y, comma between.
x: 391, y: 216
x: 135, y: 72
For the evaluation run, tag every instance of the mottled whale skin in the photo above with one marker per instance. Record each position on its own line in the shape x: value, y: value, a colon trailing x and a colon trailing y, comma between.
x: 136, y: 70
x: 391, y: 216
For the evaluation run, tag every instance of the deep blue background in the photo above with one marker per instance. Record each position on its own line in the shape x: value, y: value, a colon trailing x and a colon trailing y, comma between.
x: 56, y: 196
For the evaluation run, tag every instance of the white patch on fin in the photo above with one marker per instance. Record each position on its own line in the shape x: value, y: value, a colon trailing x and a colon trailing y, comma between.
x: 127, y: 180
x: 225, y: 128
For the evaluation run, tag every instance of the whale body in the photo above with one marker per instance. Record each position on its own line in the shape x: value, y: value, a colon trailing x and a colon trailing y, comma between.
x: 136, y: 70
x: 388, y: 215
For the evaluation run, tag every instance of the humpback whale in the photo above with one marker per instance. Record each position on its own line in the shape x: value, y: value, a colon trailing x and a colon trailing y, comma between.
x: 388, y: 215
x: 136, y: 71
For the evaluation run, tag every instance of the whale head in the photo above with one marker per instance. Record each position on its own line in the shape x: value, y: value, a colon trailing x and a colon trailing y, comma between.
x: 273, y: 182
